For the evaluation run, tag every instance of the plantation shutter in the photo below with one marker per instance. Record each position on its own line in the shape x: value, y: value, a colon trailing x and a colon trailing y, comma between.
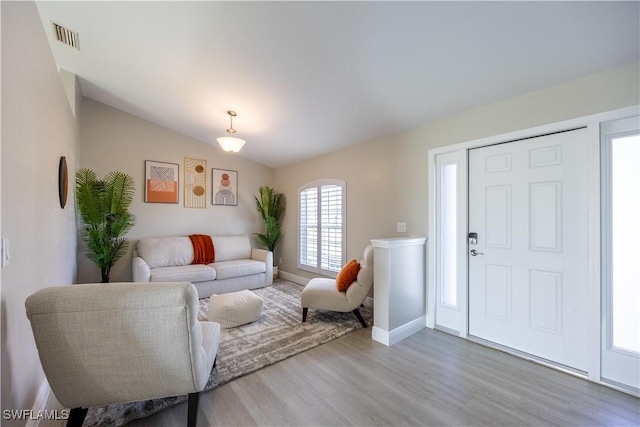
x: 331, y: 223
x: 321, y: 241
x: 309, y: 227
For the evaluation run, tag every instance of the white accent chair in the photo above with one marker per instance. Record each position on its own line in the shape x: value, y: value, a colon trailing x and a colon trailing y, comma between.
x: 121, y: 342
x: 322, y: 293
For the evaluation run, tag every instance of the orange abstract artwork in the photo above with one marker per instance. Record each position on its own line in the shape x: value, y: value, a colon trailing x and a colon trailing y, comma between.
x: 161, y: 182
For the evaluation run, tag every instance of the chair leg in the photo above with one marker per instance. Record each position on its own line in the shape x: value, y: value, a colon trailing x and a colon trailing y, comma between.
x: 359, y: 316
x: 76, y: 417
x: 304, y: 313
x: 192, y: 414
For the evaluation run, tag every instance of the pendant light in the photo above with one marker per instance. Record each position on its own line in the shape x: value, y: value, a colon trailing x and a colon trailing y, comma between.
x: 231, y: 143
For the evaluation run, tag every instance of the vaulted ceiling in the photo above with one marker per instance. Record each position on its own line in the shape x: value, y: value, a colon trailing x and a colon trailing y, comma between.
x: 307, y: 78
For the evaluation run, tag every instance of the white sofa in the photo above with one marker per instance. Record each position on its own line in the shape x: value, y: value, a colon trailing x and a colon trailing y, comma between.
x: 237, y: 265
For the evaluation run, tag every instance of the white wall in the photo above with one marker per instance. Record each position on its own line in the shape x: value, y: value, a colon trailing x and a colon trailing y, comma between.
x: 115, y: 140
x: 38, y: 128
x: 387, y: 178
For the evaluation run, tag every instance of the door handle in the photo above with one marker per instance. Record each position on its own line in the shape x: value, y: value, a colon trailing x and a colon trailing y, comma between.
x: 473, y: 252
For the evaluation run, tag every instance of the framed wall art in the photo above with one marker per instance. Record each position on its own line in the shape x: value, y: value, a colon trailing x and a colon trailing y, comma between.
x: 195, y: 183
x: 224, y: 187
x: 161, y: 182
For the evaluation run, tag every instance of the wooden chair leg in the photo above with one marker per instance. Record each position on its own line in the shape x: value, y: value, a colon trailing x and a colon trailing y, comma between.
x: 304, y: 313
x: 192, y: 414
x: 76, y: 417
x: 359, y: 316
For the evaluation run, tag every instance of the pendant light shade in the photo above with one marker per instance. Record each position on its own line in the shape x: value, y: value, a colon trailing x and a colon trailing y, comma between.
x: 231, y: 143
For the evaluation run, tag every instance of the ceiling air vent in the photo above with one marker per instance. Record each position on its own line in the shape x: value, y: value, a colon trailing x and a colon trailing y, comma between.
x: 66, y: 36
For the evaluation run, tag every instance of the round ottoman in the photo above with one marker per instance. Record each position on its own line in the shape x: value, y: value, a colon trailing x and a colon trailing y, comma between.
x: 235, y: 308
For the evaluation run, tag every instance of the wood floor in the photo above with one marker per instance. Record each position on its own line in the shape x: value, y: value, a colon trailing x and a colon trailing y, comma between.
x: 428, y: 379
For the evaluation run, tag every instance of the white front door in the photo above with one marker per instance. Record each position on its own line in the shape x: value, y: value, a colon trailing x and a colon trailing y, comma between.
x: 528, y: 272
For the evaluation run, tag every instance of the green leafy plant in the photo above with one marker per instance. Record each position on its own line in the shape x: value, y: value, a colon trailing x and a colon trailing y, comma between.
x: 271, y: 206
x: 104, y: 210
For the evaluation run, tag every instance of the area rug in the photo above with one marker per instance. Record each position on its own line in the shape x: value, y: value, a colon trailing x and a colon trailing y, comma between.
x: 278, y: 334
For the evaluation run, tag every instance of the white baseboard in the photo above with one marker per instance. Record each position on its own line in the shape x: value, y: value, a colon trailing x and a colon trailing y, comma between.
x: 390, y: 338
x: 293, y: 278
x: 40, y: 404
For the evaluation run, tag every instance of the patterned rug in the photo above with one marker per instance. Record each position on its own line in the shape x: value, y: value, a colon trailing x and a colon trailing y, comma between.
x: 278, y: 334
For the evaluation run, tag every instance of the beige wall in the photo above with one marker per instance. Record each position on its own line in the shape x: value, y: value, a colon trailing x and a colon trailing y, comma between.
x: 387, y: 178
x: 37, y: 128
x: 115, y: 140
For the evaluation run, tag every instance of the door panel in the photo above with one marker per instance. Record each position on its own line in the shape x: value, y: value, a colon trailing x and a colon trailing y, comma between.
x: 450, y: 254
x: 620, y: 363
x: 545, y: 232
x: 528, y: 203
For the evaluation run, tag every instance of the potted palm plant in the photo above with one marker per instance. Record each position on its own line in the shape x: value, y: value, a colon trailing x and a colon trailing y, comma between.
x: 104, y: 211
x: 271, y: 206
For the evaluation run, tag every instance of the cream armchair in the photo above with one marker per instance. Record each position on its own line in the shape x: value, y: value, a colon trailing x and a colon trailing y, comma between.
x: 109, y: 343
x: 321, y: 293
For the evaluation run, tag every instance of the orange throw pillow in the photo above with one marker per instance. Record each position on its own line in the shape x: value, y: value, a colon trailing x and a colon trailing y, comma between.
x: 347, y: 275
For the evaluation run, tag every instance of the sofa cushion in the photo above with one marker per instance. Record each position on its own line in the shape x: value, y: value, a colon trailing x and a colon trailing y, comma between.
x: 232, y: 247
x: 166, y: 251
x: 237, y: 268
x: 183, y: 273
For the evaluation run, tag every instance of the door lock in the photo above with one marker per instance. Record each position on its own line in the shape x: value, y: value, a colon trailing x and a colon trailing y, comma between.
x: 473, y: 252
x: 473, y: 238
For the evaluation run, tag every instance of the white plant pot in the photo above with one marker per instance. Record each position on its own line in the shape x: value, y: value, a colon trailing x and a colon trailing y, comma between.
x: 275, y: 271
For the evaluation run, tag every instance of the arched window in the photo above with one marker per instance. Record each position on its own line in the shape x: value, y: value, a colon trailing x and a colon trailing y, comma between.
x: 322, y: 232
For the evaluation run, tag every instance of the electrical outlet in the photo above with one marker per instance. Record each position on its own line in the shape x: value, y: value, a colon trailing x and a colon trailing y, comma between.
x: 280, y: 261
x: 402, y: 227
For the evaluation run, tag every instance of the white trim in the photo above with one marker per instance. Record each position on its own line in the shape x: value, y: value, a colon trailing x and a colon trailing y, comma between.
x: 40, y: 404
x: 452, y: 318
x: 594, y: 257
x: 529, y: 357
x: 430, y: 318
x: 398, y: 242
x: 542, y: 130
x: 319, y: 184
x: 463, y: 242
x: 620, y: 387
x: 592, y: 123
x: 293, y: 278
x: 609, y: 355
x: 390, y: 338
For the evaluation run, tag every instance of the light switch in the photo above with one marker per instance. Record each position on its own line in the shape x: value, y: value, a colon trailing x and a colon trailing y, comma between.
x: 6, y: 255
x: 402, y: 227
